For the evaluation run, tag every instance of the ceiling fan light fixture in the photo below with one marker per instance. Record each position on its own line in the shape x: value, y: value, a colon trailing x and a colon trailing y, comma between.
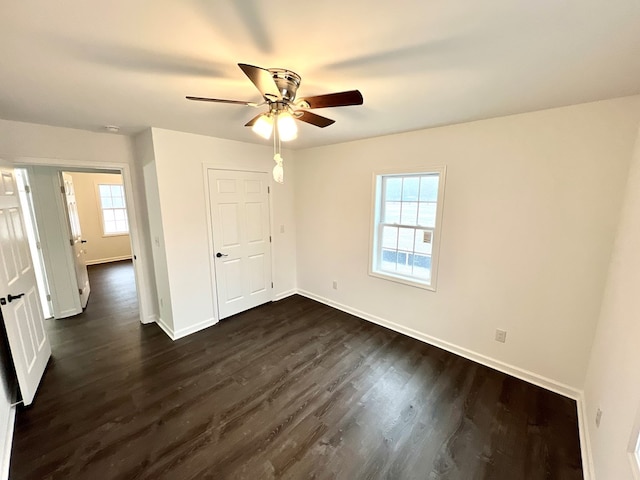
x: 287, y: 128
x: 263, y: 126
x: 278, y: 171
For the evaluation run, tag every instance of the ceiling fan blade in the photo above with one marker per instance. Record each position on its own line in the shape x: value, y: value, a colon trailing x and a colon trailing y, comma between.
x: 340, y: 99
x: 263, y: 80
x: 253, y: 120
x: 313, y: 119
x: 219, y: 100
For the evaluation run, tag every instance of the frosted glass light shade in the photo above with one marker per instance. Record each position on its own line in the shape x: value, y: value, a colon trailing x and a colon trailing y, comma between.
x: 287, y: 128
x: 263, y: 126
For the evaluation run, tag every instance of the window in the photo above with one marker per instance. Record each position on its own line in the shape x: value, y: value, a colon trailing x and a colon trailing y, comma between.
x: 407, y: 217
x: 114, y: 212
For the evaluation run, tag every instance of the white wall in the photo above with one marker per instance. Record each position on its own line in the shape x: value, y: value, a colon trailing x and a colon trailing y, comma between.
x: 179, y: 161
x: 99, y: 248
x: 29, y: 144
x: 146, y: 159
x: 613, y: 378
x: 530, y: 210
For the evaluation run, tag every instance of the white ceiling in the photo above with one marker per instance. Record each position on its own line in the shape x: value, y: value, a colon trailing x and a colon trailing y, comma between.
x: 418, y: 63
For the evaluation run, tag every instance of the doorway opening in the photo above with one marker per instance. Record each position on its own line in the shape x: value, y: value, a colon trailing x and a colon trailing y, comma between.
x: 76, y: 217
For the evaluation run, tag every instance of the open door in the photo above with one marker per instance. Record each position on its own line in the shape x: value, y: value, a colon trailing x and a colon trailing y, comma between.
x: 19, y: 301
x: 77, y: 243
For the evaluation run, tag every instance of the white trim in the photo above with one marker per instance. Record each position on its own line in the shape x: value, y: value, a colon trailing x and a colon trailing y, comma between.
x: 588, y: 470
x: 634, y: 449
x: 165, y: 328
x: 183, y: 332
x: 101, y: 209
x: 178, y: 334
x: 109, y: 259
x: 377, y: 186
x: 634, y: 458
x: 65, y: 314
x: 283, y: 295
x: 517, y: 372
x: 8, y: 441
x: 212, y: 266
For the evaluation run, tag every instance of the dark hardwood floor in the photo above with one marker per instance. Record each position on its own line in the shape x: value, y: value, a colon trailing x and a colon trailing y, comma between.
x: 292, y: 389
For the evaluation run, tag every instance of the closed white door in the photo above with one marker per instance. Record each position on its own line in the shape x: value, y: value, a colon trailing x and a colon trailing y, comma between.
x: 19, y: 301
x: 239, y: 204
x: 77, y: 243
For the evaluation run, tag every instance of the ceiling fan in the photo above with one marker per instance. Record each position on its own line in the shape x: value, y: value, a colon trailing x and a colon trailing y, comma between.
x: 278, y: 87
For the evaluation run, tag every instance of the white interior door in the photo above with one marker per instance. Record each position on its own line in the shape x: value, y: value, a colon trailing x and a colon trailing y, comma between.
x: 77, y: 243
x: 239, y: 204
x: 21, y: 310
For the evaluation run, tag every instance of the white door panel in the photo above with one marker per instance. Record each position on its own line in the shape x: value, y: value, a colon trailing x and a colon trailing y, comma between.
x: 82, y: 275
x: 19, y: 300
x: 239, y: 204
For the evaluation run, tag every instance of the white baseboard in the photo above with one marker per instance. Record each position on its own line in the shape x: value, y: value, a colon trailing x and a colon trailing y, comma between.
x: 183, y: 332
x: 588, y: 470
x: 165, y: 328
x: 286, y: 294
x: 514, y: 371
x: 107, y: 260
x: 8, y: 441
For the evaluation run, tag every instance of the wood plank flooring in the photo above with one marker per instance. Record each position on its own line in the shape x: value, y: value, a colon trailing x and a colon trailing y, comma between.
x: 289, y: 390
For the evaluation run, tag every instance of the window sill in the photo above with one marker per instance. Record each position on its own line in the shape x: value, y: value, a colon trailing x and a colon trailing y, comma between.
x: 403, y: 280
x: 109, y: 235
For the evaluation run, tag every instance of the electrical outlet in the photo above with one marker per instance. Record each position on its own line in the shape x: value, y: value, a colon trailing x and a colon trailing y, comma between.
x: 335, y: 285
x: 598, y: 417
x: 501, y: 335
x: 281, y: 228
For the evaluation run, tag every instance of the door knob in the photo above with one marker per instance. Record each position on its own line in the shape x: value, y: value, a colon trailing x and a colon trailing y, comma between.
x: 11, y: 298
x: 83, y: 241
x: 221, y: 255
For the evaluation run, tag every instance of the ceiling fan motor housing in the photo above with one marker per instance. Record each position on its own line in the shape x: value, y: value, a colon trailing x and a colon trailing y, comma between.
x: 287, y: 82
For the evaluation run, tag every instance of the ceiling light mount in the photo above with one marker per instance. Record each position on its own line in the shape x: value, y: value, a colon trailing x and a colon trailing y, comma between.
x: 112, y: 128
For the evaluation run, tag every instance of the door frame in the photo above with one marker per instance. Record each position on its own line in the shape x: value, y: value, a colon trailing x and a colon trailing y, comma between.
x: 206, y: 166
x: 142, y: 289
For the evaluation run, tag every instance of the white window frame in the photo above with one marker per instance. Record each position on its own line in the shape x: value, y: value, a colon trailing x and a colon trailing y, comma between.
x: 376, y: 226
x: 101, y: 209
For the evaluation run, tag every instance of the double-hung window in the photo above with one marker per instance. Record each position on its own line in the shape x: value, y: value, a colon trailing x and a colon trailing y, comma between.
x: 113, y: 208
x: 406, y: 226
